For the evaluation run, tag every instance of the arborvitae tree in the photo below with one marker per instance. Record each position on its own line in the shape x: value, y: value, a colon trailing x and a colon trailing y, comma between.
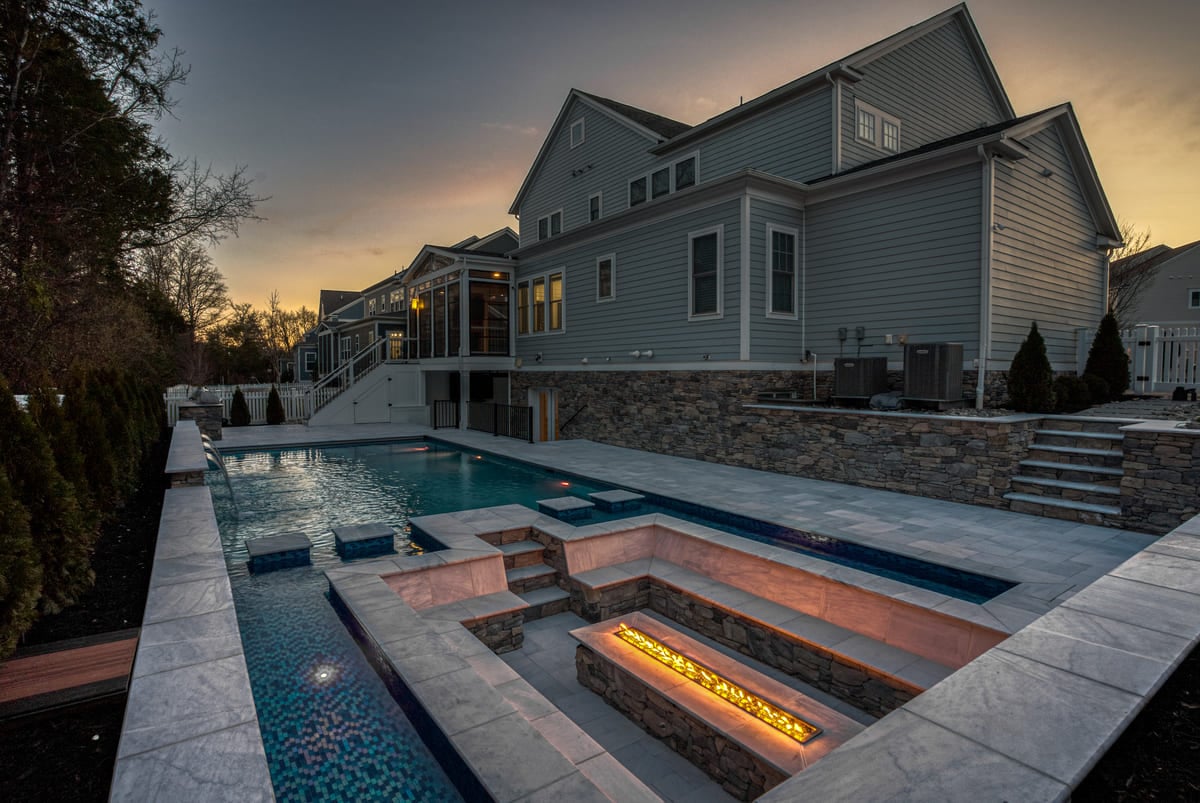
x: 100, y: 467
x: 64, y: 442
x: 275, y: 412
x: 239, y: 413
x: 1107, y: 358
x: 1030, y: 378
x: 1071, y: 393
x: 60, y: 535
x: 20, y: 570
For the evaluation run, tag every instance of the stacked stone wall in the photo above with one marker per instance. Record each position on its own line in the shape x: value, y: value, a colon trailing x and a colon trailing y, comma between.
x: 1161, y: 486
x: 740, y: 772
x: 702, y: 415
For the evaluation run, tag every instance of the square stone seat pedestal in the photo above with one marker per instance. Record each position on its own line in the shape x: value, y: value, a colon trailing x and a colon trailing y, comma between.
x: 566, y: 508
x: 278, y: 551
x: 616, y: 500
x: 359, y: 540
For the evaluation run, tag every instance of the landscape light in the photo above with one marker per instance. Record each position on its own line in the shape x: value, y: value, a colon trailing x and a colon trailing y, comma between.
x: 726, y: 689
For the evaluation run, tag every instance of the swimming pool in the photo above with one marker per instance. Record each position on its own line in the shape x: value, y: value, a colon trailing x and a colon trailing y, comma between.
x: 329, y: 725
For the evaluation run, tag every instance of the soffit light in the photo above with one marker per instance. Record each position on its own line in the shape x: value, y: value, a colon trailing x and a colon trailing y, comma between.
x: 726, y: 689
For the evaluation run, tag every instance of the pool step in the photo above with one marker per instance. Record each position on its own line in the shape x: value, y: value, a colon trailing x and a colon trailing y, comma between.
x: 545, y: 602
x: 519, y: 554
x: 530, y: 578
x: 1064, y: 504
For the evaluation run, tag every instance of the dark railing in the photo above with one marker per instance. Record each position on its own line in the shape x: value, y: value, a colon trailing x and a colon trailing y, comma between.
x: 445, y: 414
x: 574, y: 415
x: 508, y: 420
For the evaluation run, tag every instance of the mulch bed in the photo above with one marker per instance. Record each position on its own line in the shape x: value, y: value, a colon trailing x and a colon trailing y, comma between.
x: 68, y: 754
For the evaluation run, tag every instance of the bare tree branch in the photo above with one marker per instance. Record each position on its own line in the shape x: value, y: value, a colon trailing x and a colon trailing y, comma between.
x: 1132, y: 269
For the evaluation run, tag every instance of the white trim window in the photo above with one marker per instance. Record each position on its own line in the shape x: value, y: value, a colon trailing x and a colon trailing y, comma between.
x: 397, y: 300
x: 370, y: 306
x: 595, y: 202
x: 664, y: 180
x: 606, y: 277
x: 1194, y: 298
x: 876, y: 128
x: 705, y: 272
x: 782, y: 287
x: 577, y: 133
x: 345, y: 353
x: 540, y: 308
x: 550, y: 225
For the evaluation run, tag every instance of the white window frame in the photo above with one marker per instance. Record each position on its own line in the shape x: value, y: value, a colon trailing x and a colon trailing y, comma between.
x: 1194, y: 298
x: 532, y: 315
x: 344, y: 352
x: 577, y: 122
x: 769, y: 263
x: 880, y: 118
x: 670, y: 167
x: 370, y: 306
x: 599, y: 198
x: 550, y: 232
x: 720, y: 311
x: 612, y: 278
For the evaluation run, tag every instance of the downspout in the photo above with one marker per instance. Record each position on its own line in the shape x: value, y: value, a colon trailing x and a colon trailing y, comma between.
x: 837, y: 121
x: 987, y: 197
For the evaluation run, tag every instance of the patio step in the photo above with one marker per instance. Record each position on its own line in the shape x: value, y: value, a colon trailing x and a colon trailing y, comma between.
x: 1068, y: 433
x: 1065, y: 485
x: 545, y: 602
x: 1052, y: 465
x: 1064, y: 504
x: 530, y: 578
x: 519, y: 554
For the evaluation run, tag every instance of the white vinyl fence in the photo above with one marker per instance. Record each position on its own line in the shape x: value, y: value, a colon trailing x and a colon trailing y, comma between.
x: 295, y: 398
x: 1161, y: 358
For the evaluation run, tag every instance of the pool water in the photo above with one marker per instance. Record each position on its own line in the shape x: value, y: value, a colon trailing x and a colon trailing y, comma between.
x: 330, y: 727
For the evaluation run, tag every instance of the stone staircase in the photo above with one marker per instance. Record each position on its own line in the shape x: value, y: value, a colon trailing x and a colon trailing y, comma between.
x: 1073, y: 470
x: 531, y: 579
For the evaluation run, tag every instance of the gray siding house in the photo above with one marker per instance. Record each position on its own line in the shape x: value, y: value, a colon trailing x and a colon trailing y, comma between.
x: 890, y: 197
x: 1173, y: 297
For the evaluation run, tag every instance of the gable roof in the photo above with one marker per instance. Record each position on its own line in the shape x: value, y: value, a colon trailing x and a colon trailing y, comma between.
x: 333, y: 300
x: 1156, y: 255
x: 849, y: 68
x: 654, y: 127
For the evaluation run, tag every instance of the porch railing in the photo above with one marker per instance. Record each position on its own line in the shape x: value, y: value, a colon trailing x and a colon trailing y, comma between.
x: 344, y: 376
x: 444, y: 414
x: 1161, y: 358
x: 501, y: 419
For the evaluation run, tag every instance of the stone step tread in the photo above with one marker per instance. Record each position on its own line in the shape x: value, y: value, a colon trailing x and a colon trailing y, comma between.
x: 1067, y: 485
x: 1050, y: 501
x: 1080, y: 450
x: 542, y: 596
x: 515, y: 548
x: 1070, y: 433
x: 528, y: 572
x: 1052, y: 465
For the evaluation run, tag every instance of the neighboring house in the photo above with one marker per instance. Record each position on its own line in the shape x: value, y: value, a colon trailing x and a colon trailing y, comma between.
x: 1173, y: 296
x: 891, y: 196
x: 305, y: 357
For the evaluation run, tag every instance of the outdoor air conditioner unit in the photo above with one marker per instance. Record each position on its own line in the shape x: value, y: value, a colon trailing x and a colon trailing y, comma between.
x: 933, y: 372
x: 859, y: 377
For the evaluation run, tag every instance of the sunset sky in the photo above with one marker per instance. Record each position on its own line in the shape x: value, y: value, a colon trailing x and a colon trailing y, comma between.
x: 377, y: 127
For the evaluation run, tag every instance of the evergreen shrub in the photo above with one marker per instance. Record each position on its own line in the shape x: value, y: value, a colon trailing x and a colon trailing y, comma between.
x: 275, y: 412
x: 20, y: 570
x: 1071, y: 393
x: 239, y: 413
x: 1107, y: 358
x: 1030, y: 377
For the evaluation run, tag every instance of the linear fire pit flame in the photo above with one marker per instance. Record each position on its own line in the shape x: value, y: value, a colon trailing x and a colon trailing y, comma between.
x: 720, y: 686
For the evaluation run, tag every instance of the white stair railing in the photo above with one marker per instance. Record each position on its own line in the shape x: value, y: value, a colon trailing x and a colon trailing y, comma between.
x: 350, y: 372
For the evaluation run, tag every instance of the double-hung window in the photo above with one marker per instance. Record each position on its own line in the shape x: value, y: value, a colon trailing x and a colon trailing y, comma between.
x: 704, y: 267
x: 550, y: 225
x: 346, y: 353
x: 876, y: 128
x: 606, y: 278
x: 540, y: 304
x: 594, y: 207
x: 781, y: 272
x: 577, y: 133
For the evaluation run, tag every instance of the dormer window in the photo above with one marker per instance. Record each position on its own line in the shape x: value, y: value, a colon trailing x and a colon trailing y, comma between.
x: 550, y: 225
x: 876, y: 128
x: 577, y: 133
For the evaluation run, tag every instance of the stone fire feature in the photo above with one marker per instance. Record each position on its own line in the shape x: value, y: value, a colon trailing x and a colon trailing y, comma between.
x: 745, y: 755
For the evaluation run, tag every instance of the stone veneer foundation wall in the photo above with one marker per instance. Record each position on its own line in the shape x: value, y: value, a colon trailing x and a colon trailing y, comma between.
x: 741, y: 773
x: 702, y: 415
x: 1161, y: 486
